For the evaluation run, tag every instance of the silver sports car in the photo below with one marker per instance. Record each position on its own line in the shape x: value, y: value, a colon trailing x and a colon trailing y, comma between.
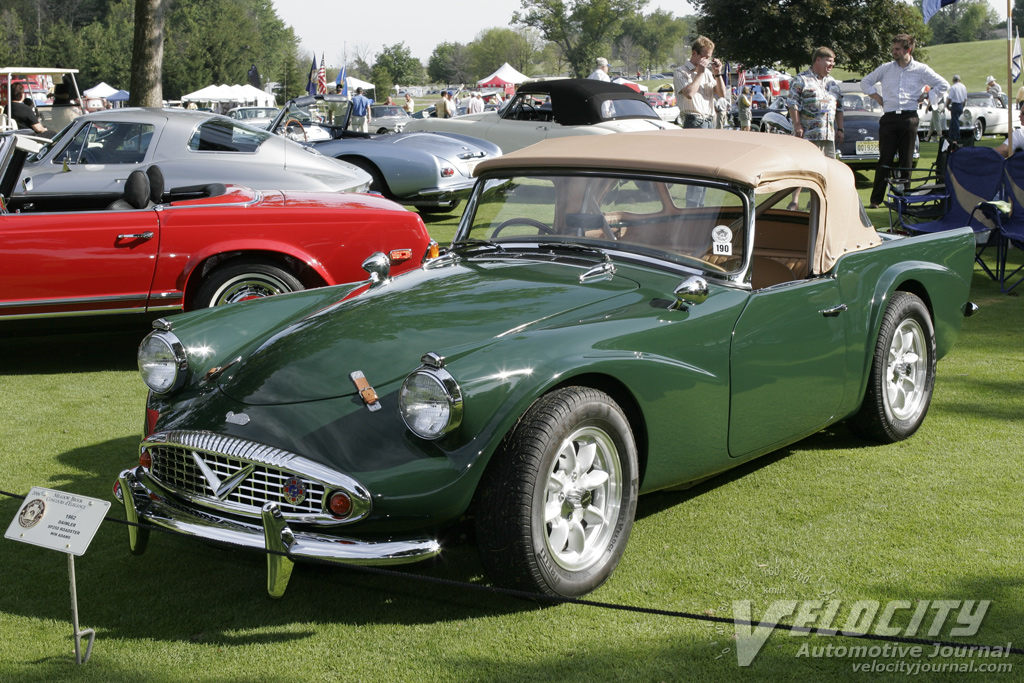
x: 97, y: 152
x: 431, y: 171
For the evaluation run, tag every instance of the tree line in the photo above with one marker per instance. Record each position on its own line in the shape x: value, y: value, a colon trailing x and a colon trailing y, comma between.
x: 217, y: 41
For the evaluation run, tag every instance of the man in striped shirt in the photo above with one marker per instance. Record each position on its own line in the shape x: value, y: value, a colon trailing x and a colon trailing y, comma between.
x: 902, y: 81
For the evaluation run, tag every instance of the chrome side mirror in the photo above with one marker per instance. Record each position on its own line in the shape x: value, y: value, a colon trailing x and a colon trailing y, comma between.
x: 378, y: 265
x: 690, y: 292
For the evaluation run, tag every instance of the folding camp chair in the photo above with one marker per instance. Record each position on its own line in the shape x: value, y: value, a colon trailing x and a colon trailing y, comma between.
x: 918, y: 195
x: 1011, y: 228
x: 973, y: 175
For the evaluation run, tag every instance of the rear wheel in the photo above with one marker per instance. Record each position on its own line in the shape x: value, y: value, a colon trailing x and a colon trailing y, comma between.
x: 242, y: 281
x: 556, y: 506
x: 902, y: 372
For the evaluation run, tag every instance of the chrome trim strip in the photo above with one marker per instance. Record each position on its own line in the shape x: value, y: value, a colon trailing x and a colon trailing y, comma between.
x: 164, y: 512
x: 80, y: 300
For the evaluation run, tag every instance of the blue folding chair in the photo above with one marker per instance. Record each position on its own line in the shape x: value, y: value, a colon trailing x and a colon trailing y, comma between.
x: 974, y: 175
x: 1011, y: 228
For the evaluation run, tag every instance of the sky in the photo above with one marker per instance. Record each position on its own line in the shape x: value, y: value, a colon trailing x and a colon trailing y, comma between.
x: 366, y: 26
x: 421, y: 24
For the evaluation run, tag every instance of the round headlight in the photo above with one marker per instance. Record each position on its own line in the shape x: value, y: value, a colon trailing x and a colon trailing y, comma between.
x: 162, y: 362
x: 430, y: 403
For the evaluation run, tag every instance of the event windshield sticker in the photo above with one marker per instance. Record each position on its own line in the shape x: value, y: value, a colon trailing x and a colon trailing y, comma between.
x: 57, y: 520
x: 721, y: 241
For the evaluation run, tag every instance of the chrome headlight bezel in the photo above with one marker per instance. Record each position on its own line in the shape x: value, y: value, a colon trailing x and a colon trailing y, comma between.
x: 163, y: 363
x: 414, y: 406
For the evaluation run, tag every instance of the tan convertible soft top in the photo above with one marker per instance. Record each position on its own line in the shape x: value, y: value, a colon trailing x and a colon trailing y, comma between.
x: 761, y: 161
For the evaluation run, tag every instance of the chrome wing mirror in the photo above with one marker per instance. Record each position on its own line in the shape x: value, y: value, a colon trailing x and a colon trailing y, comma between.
x: 690, y: 292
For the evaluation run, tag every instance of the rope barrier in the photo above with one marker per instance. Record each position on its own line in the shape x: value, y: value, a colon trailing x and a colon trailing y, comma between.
x: 555, y: 599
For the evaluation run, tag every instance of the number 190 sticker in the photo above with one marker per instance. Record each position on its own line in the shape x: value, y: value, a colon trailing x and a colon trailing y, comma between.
x: 721, y: 238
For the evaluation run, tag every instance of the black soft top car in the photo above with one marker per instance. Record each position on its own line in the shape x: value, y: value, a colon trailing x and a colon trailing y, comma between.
x: 581, y: 102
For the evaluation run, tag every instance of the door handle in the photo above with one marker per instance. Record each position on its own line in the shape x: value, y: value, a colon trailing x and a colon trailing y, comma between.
x: 833, y: 312
x: 136, y: 236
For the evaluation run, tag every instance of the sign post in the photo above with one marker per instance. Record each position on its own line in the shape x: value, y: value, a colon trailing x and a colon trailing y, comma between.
x: 64, y: 522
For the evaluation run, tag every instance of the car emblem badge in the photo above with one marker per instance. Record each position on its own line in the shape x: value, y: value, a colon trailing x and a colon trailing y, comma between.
x: 237, y: 418
x: 294, y: 491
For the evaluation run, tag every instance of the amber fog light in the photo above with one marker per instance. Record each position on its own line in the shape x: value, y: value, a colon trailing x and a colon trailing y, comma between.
x: 145, y: 459
x: 340, y: 504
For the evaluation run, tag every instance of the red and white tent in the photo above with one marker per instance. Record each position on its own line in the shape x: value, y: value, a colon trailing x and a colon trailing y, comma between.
x: 505, y: 77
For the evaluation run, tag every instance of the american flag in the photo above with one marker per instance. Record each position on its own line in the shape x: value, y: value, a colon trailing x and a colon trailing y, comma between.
x: 321, y: 77
x: 741, y: 80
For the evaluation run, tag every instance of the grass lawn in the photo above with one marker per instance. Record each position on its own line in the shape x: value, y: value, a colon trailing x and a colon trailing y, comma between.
x: 936, y: 517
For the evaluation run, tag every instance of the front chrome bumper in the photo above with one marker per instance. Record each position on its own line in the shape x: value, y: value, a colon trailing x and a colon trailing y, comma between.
x: 146, y: 502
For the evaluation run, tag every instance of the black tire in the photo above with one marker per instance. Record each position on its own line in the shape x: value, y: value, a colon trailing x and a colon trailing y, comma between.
x: 901, y: 381
x: 377, y: 182
x: 548, y: 521
x: 244, y: 280
x: 439, y: 209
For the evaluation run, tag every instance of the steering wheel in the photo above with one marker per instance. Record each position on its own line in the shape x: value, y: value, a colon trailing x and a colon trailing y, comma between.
x: 544, y: 229
x: 289, y: 122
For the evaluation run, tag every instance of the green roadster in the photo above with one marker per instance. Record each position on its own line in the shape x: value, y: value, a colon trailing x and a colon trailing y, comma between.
x: 617, y: 315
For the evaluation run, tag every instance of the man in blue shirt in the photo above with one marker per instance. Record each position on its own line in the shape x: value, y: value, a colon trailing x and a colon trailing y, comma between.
x: 360, y: 112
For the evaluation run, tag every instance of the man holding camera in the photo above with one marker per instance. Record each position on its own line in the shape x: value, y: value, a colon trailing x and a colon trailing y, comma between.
x: 697, y: 83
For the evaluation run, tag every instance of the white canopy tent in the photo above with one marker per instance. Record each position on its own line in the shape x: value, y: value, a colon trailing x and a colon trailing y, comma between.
x: 243, y: 94
x: 101, y: 91
x: 352, y: 82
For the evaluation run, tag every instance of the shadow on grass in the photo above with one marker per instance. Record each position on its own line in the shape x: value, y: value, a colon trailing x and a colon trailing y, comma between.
x: 56, y: 348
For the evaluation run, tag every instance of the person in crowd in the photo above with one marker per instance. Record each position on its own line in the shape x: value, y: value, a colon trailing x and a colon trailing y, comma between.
x: 992, y: 86
x: 743, y: 108
x: 410, y: 105
x: 601, y: 72
x: 23, y: 115
x: 476, y: 104
x: 446, y: 106
x: 360, y: 120
x: 697, y: 82
x: 721, y: 112
x: 816, y: 103
x: 1020, y: 97
x: 335, y: 110
x: 937, y: 124
x: 1016, y: 141
x: 63, y: 111
x: 390, y: 101
x: 955, y: 106
x: 902, y: 80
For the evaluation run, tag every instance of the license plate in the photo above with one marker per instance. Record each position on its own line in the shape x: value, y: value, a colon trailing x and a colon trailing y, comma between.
x: 867, y: 147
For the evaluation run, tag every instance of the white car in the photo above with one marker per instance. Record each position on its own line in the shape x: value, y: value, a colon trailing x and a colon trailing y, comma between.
x: 388, y: 118
x: 554, y: 109
x: 987, y: 115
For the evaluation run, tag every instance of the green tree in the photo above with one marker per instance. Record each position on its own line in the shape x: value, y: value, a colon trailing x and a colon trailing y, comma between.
x: 494, y: 46
x: 766, y: 33
x: 962, y: 22
x: 654, y: 35
x: 582, y: 29
x: 449, y: 63
x: 13, y: 49
x: 400, y: 65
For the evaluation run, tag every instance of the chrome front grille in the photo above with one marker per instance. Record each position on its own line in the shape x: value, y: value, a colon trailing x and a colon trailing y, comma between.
x: 175, y: 467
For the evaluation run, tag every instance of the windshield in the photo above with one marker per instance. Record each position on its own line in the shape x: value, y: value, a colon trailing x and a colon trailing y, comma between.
x: 860, y: 102
x: 386, y: 110
x: 684, y: 221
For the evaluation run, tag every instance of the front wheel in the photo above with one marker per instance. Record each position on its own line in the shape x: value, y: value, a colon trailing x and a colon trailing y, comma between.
x: 902, y: 372
x: 979, y: 130
x: 243, y: 281
x: 557, y: 503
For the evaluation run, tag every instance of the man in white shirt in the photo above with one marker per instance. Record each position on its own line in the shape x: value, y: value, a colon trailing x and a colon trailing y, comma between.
x: 956, y: 100
x: 601, y: 72
x: 697, y: 83
x: 903, y: 81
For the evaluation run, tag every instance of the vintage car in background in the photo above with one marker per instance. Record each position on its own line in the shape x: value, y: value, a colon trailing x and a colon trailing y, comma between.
x: 94, y: 155
x: 665, y: 105
x: 431, y: 112
x: 193, y: 247
x: 757, y: 112
x: 259, y: 117
x: 617, y: 315
x: 861, y: 114
x: 431, y: 171
x: 987, y: 114
x: 388, y: 118
x: 552, y: 109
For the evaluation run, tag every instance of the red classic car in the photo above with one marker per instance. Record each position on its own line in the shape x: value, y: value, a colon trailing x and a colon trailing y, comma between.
x: 186, y: 248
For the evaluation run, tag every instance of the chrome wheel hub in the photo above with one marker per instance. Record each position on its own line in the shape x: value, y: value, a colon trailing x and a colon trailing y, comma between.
x: 906, y: 371
x: 582, y: 497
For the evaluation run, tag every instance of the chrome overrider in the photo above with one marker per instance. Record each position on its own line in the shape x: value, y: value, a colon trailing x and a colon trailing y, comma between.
x: 148, y: 502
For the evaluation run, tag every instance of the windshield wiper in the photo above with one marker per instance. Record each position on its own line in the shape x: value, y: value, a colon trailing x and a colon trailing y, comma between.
x: 473, y: 242
x: 573, y: 246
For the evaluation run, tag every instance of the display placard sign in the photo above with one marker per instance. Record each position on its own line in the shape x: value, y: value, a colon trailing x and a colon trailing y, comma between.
x: 57, y: 520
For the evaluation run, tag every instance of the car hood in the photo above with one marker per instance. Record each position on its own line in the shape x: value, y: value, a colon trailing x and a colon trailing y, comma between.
x: 450, y: 310
x: 439, y: 144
